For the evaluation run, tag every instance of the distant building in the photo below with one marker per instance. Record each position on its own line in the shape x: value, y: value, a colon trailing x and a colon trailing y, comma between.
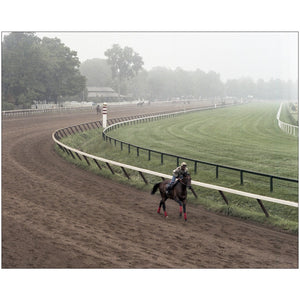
x: 102, y: 94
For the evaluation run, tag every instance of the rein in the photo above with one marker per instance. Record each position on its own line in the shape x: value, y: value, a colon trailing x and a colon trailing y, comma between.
x: 189, y: 186
x: 181, y: 181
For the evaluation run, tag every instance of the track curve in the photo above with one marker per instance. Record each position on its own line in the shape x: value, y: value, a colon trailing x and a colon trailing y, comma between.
x: 55, y: 215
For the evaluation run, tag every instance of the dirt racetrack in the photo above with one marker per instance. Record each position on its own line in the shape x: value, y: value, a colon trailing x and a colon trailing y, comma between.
x: 55, y: 215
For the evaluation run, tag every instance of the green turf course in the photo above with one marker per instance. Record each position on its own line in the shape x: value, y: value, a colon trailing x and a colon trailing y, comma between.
x: 245, y: 136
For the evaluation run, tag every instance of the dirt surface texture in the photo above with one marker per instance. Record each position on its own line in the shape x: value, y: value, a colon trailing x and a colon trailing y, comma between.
x: 56, y: 215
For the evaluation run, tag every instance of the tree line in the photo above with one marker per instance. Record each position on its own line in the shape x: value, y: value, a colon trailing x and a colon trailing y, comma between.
x: 164, y: 83
x: 35, y: 69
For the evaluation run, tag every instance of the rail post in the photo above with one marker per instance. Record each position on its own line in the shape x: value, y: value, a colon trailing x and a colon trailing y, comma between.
x: 241, y: 177
x: 104, y: 115
x: 263, y: 208
x: 271, y: 183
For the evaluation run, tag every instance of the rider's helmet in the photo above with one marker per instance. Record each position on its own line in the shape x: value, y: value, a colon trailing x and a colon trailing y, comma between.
x: 183, y: 164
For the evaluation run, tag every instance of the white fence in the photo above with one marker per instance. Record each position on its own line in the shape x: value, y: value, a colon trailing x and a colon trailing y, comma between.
x: 141, y: 171
x: 30, y: 112
x: 286, y: 127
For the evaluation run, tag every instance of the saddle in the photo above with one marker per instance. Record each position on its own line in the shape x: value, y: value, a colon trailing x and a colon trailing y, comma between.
x: 171, y: 187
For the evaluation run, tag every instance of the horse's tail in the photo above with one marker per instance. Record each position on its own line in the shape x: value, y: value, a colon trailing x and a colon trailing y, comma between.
x: 155, y: 187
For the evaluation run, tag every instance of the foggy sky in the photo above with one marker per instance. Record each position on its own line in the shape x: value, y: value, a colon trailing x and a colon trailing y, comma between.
x: 264, y: 55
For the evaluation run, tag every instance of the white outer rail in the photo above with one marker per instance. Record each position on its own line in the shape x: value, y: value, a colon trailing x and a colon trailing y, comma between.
x: 288, y: 128
x: 27, y: 112
x: 198, y: 183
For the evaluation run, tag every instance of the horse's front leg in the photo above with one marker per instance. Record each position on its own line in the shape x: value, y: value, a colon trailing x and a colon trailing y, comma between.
x: 180, y: 206
x: 180, y: 210
x: 184, y: 209
x: 164, y: 207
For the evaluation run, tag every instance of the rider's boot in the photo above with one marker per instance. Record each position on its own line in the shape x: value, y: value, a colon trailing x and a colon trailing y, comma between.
x: 169, y: 188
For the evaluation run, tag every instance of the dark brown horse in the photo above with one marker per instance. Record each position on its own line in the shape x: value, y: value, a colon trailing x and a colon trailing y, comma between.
x: 178, y: 193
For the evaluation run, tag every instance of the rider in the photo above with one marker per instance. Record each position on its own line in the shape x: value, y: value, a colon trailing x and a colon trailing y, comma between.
x: 98, y: 109
x: 182, y: 170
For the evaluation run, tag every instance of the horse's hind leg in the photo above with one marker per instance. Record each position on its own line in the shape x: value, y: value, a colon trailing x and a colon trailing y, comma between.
x: 162, y: 204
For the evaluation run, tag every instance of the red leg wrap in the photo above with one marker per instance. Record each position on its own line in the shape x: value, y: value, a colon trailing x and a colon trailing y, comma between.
x: 158, y: 211
x: 180, y: 209
x: 185, y: 216
x: 166, y: 214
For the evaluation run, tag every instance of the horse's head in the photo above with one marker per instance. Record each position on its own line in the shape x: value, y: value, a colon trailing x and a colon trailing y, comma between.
x: 186, y: 180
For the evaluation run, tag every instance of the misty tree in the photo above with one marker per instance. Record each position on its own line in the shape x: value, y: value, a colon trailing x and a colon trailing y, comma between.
x: 213, y: 84
x: 138, y: 87
x: 161, y: 83
x: 21, y: 67
x: 242, y: 87
x: 183, y: 83
x: 37, y: 69
x: 125, y: 63
x: 198, y: 83
x: 61, y: 70
x: 97, y: 72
